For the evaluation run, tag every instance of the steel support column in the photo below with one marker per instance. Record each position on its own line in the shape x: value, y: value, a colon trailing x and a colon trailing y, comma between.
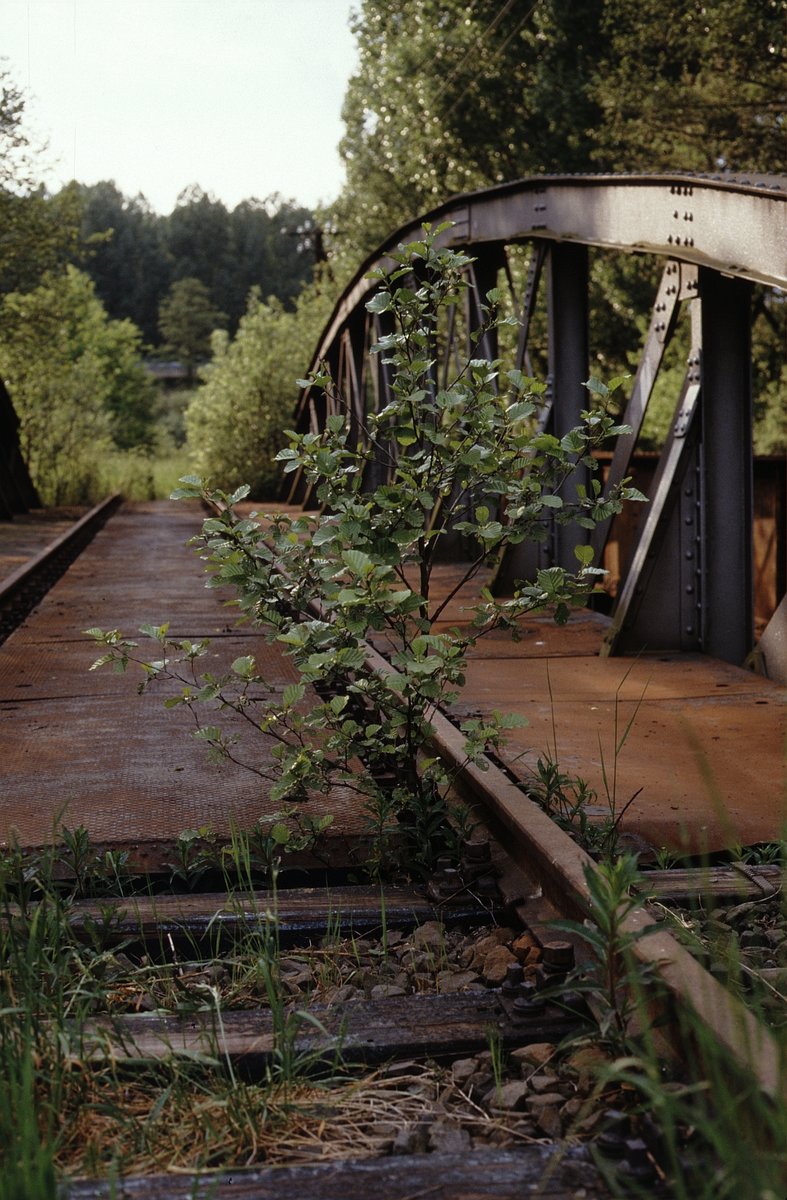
x: 727, y: 619
x: 567, y: 299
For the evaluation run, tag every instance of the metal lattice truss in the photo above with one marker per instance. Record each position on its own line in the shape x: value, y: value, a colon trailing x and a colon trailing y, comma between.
x: 689, y: 586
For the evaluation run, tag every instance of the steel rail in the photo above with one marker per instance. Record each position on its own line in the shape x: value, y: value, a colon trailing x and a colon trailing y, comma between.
x: 40, y: 572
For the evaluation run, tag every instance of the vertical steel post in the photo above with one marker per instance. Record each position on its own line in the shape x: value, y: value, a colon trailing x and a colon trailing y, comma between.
x: 727, y: 502
x: 567, y: 299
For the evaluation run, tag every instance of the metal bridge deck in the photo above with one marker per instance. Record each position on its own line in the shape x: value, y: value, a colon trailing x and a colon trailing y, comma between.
x: 83, y: 748
x: 706, y: 745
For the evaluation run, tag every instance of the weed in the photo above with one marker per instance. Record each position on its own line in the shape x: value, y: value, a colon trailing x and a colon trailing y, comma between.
x: 463, y: 459
x: 614, y: 983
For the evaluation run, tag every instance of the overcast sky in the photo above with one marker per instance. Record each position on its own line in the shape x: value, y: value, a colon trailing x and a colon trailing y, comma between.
x: 240, y: 96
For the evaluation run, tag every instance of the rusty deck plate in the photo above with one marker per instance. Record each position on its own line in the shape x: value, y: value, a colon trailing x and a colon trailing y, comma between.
x: 706, y: 746
x: 82, y: 748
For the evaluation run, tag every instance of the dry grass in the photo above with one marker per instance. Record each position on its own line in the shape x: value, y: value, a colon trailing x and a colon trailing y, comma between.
x: 144, y: 1125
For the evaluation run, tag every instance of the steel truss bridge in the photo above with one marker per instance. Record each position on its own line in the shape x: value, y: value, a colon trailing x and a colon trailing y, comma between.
x: 690, y: 583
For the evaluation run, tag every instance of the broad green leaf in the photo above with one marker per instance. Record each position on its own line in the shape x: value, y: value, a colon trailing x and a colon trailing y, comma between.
x: 358, y: 562
x: 292, y: 694
x: 157, y: 632
x: 244, y: 666
x: 280, y: 834
x: 323, y: 535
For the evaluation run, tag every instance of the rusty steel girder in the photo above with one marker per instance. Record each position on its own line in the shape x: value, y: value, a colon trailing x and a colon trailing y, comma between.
x: 690, y: 583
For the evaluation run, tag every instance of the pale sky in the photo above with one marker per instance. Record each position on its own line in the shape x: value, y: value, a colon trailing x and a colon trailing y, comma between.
x: 242, y: 97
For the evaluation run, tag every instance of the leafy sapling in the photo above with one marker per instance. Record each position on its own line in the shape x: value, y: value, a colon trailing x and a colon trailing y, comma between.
x: 463, y: 455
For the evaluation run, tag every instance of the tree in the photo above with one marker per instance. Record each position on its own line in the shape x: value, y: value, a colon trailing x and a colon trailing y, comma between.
x: 187, y: 318
x: 38, y: 233
x: 237, y: 418
x: 703, y: 90
x: 450, y: 96
x: 125, y: 254
x: 454, y: 96
x: 75, y: 381
x: 265, y: 252
x: 198, y: 240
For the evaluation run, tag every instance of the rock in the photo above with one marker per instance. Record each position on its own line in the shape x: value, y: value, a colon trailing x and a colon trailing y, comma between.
x: 467, y: 956
x: 535, y: 1055
x: 342, y: 995
x: 400, y: 1069
x: 393, y: 937
x: 544, y: 1099
x: 740, y: 913
x: 448, y: 1138
x: 455, y: 981
x: 485, y: 945
x: 495, y: 965
x: 544, y: 1083
x: 509, y: 1096
x: 589, y: 1123
x: 587, y: 1063
x: 753, y: 938
x: 572, y: 1108
x: 545, y: 1110
x: 462, y: 1069
x: 388, y: 968
x: 382, y: 991
x: 549, y: 1122
x: 523, y: 945
x: 479, y: 1085
x: 412, y: 1139
x: 430, y: 935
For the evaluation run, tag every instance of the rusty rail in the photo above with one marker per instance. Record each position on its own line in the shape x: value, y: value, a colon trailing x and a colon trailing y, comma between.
x: 23, y: 588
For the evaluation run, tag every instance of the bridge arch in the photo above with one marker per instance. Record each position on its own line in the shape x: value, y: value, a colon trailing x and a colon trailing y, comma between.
x: 690, y: 582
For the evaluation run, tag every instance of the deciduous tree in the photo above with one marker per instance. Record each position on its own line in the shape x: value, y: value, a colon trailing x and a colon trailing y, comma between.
x: 187, y: 318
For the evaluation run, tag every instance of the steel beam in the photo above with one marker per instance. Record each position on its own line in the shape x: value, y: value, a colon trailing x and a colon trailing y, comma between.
x: 678, y: 283
x: 567, y: 301
x: 727, y: 503
x: 659, y: 604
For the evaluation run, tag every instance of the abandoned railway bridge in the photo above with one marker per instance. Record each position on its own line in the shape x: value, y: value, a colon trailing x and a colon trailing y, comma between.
x: 685, y: 600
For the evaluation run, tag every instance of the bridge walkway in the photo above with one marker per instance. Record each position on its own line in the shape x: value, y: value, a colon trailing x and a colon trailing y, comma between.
x: 705, y: 751
x: 81, y: 747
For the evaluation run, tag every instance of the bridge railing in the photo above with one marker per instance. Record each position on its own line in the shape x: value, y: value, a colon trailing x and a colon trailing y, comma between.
x: 690, y: 582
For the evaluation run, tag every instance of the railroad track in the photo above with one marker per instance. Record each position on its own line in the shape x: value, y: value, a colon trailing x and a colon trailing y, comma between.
x: 437, y: 1010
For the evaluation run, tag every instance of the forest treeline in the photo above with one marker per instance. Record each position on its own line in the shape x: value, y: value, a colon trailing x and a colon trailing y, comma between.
x: 449, y: 95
